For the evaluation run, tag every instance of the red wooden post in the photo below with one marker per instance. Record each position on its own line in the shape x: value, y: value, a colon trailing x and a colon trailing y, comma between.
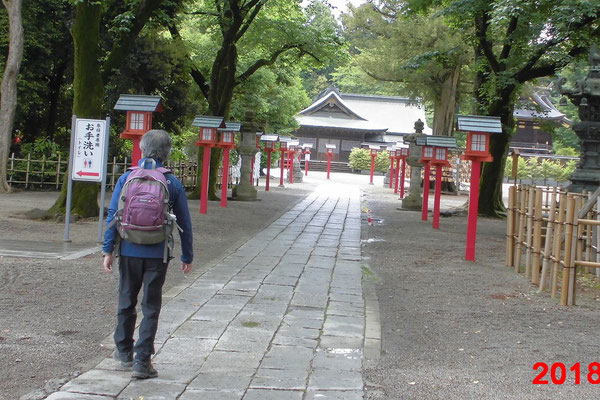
x: 473, y: 209
x: 136, y: 154
x: 306, y: 157
x: 397, y: 175
x: 204, y: 188
x: 268, y: 170
x: 225, y: 177
x: 402, y: 178
x: 391, y: 171
x: 328, y: 163
x: 438, y: 193
x: 282, y: 162
x: 291, y: 168
x: 425, y: 207
x: 372, y: 167
x: 252, y: 172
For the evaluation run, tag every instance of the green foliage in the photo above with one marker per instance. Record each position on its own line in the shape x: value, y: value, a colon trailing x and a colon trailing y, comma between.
x: 533, y: 169
x: 42, y: 147
x: 360, y: 160
x: 382, y: 161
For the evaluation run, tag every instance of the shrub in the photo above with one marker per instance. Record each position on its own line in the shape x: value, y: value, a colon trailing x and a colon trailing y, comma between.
x: 360, y: 159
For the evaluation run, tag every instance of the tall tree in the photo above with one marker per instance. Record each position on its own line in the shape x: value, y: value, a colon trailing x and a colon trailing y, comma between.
x: 266, y: 31
x: 414, y: 50
x: 90, y: 75
x: 8, y: 88
x: 516, y: 41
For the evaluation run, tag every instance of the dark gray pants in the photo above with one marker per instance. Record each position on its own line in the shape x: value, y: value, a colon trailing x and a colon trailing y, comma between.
x: 134, y: 273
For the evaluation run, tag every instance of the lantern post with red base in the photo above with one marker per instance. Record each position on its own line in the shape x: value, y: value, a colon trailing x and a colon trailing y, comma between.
x: 207, y: 139
x: 270, y: 141
x: 283, y: 147
x: 440, y: 159
x: 392, y: 156
x: 306, y: 151
x: 426, y: 157
x: 401, y: 155
x: 374, y: 149
x: 478, y: 130
x: 329, y: 148
x: 226, y: 142
x: 139, y: 119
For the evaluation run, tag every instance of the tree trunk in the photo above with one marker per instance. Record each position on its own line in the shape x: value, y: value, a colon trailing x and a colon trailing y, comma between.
x: 88, y: 93
x: 445, y: 105
x: 219, y: 101
x: 492, y: 174
x: 8, y: 89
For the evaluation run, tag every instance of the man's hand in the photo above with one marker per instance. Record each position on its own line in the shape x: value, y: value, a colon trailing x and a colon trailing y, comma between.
x: 185, y: 267
x: 107, y: 263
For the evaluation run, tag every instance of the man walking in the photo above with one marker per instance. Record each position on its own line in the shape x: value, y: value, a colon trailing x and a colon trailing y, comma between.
x: 144, y: 264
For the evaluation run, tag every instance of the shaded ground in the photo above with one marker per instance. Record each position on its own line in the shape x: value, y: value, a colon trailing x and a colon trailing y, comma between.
x: 55, y: 313
x: 453, y: 329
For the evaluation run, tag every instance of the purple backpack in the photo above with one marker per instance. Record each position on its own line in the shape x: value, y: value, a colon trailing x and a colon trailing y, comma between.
x: 143, y: 215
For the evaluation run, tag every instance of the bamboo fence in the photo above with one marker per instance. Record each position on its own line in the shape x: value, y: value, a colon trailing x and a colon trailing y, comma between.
x: 556, y: 232
x: 48, y: 174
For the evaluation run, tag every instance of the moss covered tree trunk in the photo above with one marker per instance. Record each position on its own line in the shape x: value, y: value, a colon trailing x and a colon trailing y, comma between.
x: 8, y: 89
x: 88, y: 90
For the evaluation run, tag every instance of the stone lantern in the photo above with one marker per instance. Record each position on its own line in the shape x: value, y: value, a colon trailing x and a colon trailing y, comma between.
x: 245, y: 190
x: 413, y: 200
x: 586, y: 96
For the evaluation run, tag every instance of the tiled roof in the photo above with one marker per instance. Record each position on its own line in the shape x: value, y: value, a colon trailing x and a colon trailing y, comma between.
x: 137, y: 102
x: 393, y: 115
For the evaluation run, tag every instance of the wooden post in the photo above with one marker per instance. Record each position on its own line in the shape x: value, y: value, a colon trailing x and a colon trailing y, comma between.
x: 57, y: 172
x: 205, y: 175
x: 597, y: 240
x: 564, y: 298
x: 529, y: 233
x: 402, y: 178
x: 425, y: 206
x: 537, y: 236
x: 522, y: 194
x: 27, y: 170
x: 473, y: 209
x: 391, y: 172
x: 12, y: 168
x: 268, y: 182
x: 510, y: 216
x: 225, y: 177
x: 549, y: 241
x: 557, y: 243
x: 437, y: 196
x: 397, y: 171
x: 372, y: 168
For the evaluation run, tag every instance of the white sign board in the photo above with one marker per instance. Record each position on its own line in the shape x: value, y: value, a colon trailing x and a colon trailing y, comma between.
x: 88, y: 150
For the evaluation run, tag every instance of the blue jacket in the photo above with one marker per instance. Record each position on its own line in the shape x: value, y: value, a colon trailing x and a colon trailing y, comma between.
x: 178, y: 202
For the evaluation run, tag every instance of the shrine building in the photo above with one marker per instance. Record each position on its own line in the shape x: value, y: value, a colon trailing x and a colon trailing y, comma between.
x: 356, y: 120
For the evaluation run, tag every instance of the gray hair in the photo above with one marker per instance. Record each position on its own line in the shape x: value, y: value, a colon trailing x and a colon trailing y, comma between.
x: 156, y: 144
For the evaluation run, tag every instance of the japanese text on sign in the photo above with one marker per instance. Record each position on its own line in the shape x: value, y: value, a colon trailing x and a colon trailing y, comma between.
x: 88, y: 150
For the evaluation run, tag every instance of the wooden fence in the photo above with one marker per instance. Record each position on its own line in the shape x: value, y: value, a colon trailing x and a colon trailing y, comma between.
x: 48, y: 174
x: 555, y: 232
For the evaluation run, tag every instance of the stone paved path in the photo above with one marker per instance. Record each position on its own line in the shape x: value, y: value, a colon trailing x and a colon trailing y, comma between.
x: 281, y: 318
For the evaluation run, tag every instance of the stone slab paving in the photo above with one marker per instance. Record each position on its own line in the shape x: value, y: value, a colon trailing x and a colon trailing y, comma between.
x: 280, y: 318
x: 46, y: 250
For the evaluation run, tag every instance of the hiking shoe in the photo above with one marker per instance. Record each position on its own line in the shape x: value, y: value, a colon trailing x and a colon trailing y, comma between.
x: 143, y: 370
x: 126, y: 359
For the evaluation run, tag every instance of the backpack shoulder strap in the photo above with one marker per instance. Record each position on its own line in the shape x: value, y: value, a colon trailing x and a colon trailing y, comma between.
x: 163, y: 170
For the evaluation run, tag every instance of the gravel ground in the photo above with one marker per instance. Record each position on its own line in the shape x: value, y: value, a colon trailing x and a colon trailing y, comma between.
x: 56, y: 313
x: 453, y: 329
